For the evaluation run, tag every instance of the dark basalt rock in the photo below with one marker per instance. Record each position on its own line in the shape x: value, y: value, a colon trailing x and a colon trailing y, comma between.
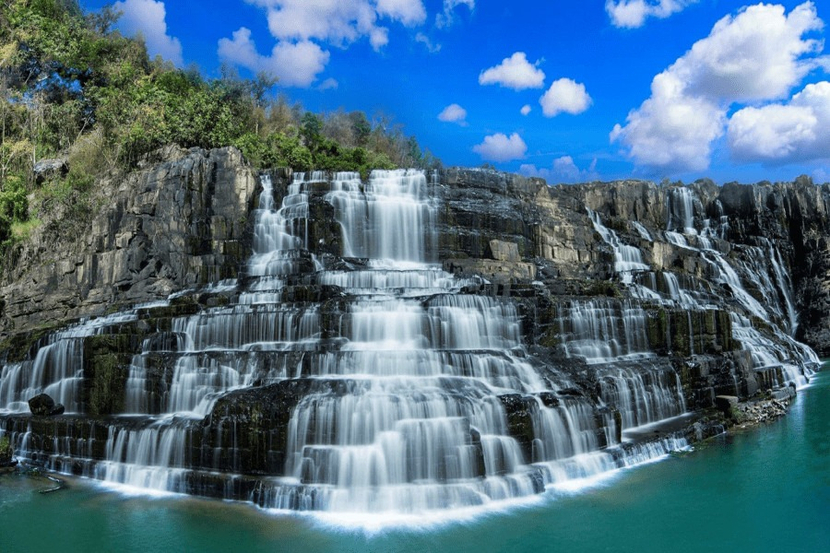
x: 180, y: 221
x: 183, y: 220
x: 247, y: 430
x: 42, y: 405
x: 519, y: 410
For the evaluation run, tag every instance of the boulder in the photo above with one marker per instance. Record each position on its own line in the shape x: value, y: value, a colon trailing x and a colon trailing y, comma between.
x: 42, y: 405
x: 46, y: 169
x: 725, y: 403
x: 784, y: 393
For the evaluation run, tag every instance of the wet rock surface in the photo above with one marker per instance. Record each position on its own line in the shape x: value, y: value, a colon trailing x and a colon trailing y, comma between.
x: 42, y: 405
x: 621, y: 340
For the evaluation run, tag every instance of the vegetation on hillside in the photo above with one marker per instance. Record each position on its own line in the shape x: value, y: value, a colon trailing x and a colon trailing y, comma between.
x: 76, y: 89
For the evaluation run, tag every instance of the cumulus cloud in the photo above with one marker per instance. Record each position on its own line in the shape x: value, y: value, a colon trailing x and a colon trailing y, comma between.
x: 148, y: 17
x: 757, y: 55
x: 525, y: 109
x: 633, y: 13
x: 408, y: 12
x: 671, y: 129
x: 500, y: 148
x: 514, y: 72
x: 780, y: 133
x: 564, y: 170
x: 294, y: 64
x: 303, y: 27
x: 446, y: 18
x: 565, y: 95
x: 453, y: 113
x: 337, y: 22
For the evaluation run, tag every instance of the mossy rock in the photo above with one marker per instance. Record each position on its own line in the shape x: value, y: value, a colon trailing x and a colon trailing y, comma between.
x: 107, y: 359
x: 737, y: 415
x: 19, y: 347
x: 6, y: 451
x: 551, y: 338
x: 107, y: 378
x: 603, y: 288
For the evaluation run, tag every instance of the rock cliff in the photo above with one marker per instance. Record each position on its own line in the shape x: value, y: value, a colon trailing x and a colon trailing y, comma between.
x: 178, y: 222
x: 312, y: 356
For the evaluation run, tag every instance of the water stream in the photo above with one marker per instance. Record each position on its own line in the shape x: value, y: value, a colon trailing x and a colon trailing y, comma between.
x: 419, y: 396
x: 767, y: 490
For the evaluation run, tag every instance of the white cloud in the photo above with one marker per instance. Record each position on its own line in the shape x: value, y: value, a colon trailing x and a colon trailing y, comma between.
x: 453, y: 113
x: 565, y: 166
x: 338, y: 22
x: 499, y: 147
x: 633, y: 13
x: 780, y: 133
x: 445, y: 19
x: 514, y: 72
x: 530, y: 170
x: 148, y: 18
x: 821, y: 176
x: 408, y: 12
x: 302, y: 28
x: 757, y: 55
x: 328, y: 84
x: 431, y: 47
x: 294, y: 64
x: 525, y: 109
x: 332, y: 21
x: 564, y: 170
x: 671, y: 129
x: 567, y: 96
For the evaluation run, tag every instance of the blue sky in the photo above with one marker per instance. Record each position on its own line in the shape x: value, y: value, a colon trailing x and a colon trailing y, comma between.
x: 571, y: 91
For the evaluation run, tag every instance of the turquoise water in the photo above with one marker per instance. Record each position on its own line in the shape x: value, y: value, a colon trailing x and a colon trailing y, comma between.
x: 765, y: 490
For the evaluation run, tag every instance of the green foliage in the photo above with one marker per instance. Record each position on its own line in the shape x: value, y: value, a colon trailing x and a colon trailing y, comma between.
x: 22, y: 229
x: 74, y: 88
x: 14, y: 206
x: 275, y: 150
x: 6, y: 450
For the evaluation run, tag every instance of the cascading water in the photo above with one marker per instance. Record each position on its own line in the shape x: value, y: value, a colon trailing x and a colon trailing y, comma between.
x: 410, y: 389
x: 680, y: 208
x: 628, y: 259
x: 57, y: 368
x: 765, y: 275
x: 424, y: 425
x: 603, y: 331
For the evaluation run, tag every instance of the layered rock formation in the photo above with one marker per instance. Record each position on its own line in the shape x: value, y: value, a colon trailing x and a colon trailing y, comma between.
x: 414, y: 342
x: 178, y: 222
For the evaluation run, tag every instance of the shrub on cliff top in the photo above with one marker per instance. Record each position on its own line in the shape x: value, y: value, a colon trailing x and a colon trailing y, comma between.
x: 72, y: 87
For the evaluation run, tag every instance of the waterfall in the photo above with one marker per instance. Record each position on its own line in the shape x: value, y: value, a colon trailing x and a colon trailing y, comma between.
x: 601, y: 331
x: 385, y: 221
x: 398, y: 387
x: 680, y: 209
x: 642, y: 396
x: 784, y: 284
x: 57, y: 368
x: 627, y: 259
x: 763, y: 273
